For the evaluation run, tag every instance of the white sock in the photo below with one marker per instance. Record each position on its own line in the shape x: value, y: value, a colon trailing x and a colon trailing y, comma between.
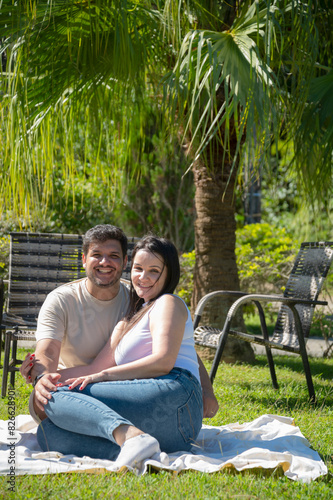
x: 136, y: 449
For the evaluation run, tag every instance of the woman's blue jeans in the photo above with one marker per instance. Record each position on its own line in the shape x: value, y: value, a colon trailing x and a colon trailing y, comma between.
x: 82, y: 422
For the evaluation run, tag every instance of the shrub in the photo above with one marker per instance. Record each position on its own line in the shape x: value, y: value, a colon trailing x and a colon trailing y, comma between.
x: 185, y: 287
x: 264, y: 254
x: 4, y: 256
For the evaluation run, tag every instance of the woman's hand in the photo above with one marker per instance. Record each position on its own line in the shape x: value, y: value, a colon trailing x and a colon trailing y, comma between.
x: 26, y: 367
x: 210, y: 404
x: 84, y: 381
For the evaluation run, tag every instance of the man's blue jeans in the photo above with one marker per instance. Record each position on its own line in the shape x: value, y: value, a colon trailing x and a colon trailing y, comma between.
x: 82, y: 422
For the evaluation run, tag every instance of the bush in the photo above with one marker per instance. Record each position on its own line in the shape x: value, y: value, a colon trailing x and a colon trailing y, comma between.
x: 4, y: 256
x: 185, y: 287
x: 264, y: 254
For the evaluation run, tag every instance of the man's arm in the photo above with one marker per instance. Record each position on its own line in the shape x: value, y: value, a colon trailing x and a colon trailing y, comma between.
x: 210, y: 403
x: 44, y: 360
x: 51, y: 327
x: 46, y: 357
x: 46, y: 363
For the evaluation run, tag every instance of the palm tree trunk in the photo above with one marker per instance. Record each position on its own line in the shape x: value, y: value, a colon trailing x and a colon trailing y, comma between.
x: 215, y: 239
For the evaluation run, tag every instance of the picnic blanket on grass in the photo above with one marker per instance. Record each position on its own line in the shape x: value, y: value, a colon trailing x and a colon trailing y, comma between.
x: 268, y: 443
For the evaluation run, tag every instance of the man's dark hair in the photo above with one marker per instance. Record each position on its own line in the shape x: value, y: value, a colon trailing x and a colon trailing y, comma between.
x: 102, y: 233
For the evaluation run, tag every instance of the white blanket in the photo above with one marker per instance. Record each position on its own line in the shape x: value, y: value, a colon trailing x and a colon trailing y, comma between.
x: 269, y: 442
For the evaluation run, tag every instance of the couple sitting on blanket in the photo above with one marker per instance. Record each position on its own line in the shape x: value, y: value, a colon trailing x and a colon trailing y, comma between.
x: 130, y: 396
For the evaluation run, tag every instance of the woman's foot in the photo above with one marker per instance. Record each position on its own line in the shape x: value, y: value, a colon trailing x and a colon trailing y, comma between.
x: 136, y: 449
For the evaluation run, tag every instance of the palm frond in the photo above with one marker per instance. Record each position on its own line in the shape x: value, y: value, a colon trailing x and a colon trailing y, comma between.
x: 213, y: 63
x: 314, y: 139
x: 71, y: 62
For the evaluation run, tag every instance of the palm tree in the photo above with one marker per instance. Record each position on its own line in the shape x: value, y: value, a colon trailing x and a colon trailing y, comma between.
x: 233, y: 71
x: 257, y: 77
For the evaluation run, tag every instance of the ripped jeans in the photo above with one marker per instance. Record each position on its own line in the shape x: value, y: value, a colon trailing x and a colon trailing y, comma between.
x: 81, y: 423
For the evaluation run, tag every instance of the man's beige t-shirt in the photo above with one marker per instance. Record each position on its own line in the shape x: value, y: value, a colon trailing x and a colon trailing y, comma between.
x: 82, y: 323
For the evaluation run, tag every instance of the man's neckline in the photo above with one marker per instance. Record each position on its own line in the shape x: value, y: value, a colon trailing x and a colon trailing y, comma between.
x: 99, y: 298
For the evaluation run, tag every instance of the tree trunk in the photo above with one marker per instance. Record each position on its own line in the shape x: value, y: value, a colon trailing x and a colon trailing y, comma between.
x: 215, y: 239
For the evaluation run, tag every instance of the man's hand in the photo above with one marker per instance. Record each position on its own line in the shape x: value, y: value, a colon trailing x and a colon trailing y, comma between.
x: 26, y: 367
x: 43, y: 389
x: 210, y: 404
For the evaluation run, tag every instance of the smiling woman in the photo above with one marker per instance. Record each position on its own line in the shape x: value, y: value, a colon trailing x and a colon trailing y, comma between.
x: 148, y: 274
x: 151, y: 397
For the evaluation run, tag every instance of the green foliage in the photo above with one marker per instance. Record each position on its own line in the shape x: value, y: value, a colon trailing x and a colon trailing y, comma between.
x: 108, y: 65
x: 156, y: 197
x: 283, y: 204
x: 4, y: 256
x: 161, y: 198
x: 322, y: 326
x: 185, y: 287
x: 265, y: 255
x: 72, y: 212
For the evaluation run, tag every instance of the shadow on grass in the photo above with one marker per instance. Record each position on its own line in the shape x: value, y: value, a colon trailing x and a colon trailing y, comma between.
x: 285, y: 397
x: 317, y: 365
x: 292, y: 393
x: 290, y: 402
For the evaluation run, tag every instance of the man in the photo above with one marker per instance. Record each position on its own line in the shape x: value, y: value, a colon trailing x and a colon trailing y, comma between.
x: 77, y: 319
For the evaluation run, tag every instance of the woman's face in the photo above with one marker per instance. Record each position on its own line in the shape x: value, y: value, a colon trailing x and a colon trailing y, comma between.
x: 148, y: 274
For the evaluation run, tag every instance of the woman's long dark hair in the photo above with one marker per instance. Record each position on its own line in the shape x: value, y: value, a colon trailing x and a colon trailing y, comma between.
x: 163, y: 248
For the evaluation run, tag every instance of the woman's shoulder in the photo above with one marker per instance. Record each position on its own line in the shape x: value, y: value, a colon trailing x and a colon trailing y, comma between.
x: 171, y: 297
x: 170, y: 300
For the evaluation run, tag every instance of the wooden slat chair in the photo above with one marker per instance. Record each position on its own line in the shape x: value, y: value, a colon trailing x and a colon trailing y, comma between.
x: 39, y: 263
x: 1, y: 311
x: 294, y: 318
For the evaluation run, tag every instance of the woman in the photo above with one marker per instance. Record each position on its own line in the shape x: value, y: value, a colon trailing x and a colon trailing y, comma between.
x: 142, y: 393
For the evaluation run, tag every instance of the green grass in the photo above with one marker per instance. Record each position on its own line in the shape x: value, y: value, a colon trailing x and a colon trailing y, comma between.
x: 244, y: 393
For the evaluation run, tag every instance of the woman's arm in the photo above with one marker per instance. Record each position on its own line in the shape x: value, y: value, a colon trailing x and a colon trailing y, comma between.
x: 167, y: 324
x: 104, y: 359
x: 210, y: 403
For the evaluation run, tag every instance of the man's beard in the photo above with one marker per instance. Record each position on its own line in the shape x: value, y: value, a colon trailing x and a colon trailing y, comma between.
x: 96, y: 281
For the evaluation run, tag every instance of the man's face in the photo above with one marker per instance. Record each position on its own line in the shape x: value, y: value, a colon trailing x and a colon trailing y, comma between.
x: 104, y: 263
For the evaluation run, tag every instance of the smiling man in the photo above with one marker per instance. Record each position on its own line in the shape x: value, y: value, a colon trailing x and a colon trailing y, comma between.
x: 77, y: 319
x: 104, y: 263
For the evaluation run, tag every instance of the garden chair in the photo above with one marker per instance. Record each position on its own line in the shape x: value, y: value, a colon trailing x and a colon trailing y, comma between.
x: 1, y: 302
x: 38, y: 264
x: 294, y: 317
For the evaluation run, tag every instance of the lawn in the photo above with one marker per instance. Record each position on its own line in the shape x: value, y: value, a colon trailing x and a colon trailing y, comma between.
x: 244, y: 393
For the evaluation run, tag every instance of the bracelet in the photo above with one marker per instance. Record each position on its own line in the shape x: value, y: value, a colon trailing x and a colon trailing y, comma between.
x: 37, y: 378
